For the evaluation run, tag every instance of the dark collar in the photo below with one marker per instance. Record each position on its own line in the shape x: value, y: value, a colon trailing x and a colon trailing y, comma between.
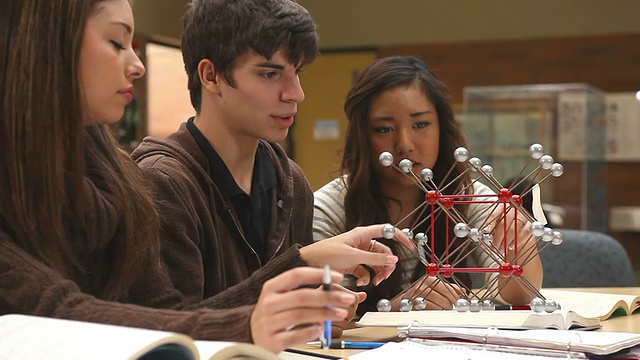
x: 264, y: 174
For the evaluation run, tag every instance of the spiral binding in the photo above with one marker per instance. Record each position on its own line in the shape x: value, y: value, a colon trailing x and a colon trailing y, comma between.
x: 409, y: 333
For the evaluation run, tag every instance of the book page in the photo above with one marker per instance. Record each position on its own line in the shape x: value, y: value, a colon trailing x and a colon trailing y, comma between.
x: 224, y: 350
x: 591, y: 304
x: 509, y: 319
x: 31, y: 337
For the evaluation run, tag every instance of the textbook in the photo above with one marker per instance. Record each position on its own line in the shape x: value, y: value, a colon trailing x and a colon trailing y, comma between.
x: 32, y: 337
x: 590, y: 342
x: 591, y: 304
x: 500, y: 319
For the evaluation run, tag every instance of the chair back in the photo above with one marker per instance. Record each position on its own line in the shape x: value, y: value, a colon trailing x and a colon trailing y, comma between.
x: 586, y: 259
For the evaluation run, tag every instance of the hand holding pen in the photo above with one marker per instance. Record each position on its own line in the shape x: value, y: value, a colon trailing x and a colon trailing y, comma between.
x: 325, y: 339
x: 345, y: 344
x: 288, y: 312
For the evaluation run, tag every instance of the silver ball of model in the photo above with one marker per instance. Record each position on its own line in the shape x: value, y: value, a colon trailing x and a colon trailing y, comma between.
x: 405, y: 305
x: 550, y: 305
x: 461, y: 230
x: 536, y: 151
x: 546, y: 161
x: 557, y: 169
x: 419, y: 303
x: 475, y: 234
x: 475, y: 305
x: 461, y: 154
x: 385, y: 158
x: 488, y: 305
x: 557, y: 238
x: 388, y: 231
x: 405, y: 165
x: 461, y: 305
x: 421, y: 238
x: 537, y: 229
x: 475, y: 163
x: 426, y: 174
x: 537, y: 305
x: 383, y: 305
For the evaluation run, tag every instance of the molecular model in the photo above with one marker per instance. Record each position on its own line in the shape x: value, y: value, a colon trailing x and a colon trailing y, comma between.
x: 503, y: 208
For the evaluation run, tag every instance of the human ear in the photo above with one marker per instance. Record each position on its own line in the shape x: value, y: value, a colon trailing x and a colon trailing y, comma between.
x: 208, y: 76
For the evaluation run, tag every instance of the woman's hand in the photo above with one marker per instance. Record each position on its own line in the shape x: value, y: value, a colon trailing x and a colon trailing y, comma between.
x: 345, y: 253
x: 287, y: 314
x: 439, y: 295
x: 523, y: 253
x: 337, y: 327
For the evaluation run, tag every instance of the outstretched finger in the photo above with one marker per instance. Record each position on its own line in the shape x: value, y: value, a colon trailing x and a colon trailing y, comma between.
x: 363, y: 277
x: 382, y: 273
x: 364, y: 235
x: 377, y: 257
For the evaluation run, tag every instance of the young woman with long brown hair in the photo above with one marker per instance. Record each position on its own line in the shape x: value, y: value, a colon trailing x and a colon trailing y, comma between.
x: 398, y: 105
x: 78, y: 229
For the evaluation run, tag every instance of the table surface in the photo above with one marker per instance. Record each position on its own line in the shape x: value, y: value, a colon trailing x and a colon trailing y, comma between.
x: 630, y: 323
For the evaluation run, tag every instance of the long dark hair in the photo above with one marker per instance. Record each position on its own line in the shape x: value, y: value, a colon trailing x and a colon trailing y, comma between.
x: 365, y: 203
x: 45, y: 150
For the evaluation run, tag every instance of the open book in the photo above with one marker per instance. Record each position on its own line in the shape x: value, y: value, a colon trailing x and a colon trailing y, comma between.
x: 591, y: 304
x: 501, y: 319
x: 596, y: 342
x: 32, y: 337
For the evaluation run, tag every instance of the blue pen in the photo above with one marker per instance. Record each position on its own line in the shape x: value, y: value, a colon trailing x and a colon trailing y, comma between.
x: 325, y: 339
x: 343, y: 344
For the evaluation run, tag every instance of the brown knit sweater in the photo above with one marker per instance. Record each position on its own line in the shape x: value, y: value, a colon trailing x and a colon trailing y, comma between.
x: 27, y: 286
x: 202, y: 244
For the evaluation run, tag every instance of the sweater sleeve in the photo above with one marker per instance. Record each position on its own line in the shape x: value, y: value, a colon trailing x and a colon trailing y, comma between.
x: 248, y: 291
x: 30, y: 287
x: 328, y: 215
x: 180, y: 208
x: 303, y: 206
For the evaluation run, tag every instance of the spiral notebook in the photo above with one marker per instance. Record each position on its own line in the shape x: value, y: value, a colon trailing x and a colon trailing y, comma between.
x: 590, y: 342
x: 418, y: 349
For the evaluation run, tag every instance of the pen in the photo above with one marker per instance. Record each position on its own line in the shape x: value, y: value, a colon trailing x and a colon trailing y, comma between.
x: 342, y: 344
x: 326, y: 286
x: 513, y: 307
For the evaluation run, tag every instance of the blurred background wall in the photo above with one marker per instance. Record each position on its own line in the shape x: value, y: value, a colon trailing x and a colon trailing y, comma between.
x: 467, y: 43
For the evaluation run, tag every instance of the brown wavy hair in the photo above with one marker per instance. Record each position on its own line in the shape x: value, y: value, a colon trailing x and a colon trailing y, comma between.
x: 45, y: 150
x: 365, y: 203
